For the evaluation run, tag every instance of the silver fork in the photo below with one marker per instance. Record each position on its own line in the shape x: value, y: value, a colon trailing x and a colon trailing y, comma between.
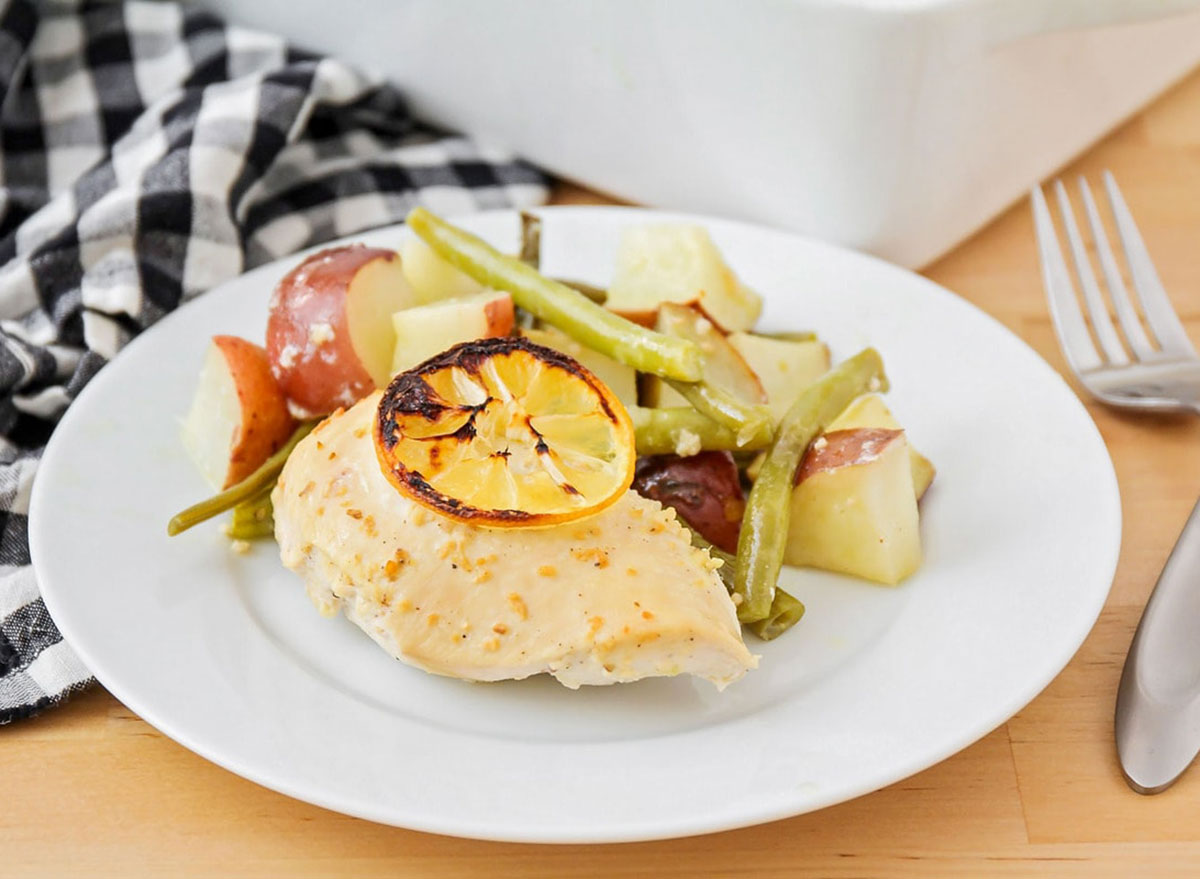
x: 1164, y: 378
x: 1158, y: 702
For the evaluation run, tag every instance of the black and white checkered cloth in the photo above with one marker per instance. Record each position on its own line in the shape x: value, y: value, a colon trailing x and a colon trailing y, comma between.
x: 147, y: 153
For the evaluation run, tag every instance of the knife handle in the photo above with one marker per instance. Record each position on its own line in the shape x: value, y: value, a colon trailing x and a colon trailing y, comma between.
x: 1158, y: 703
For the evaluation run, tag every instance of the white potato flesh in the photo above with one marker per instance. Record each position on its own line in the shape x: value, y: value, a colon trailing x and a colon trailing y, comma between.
x: 212, y: 423
x: 785, y: 368
x: 376, y: 292
x: 432, y: 278
x: 678, y: 263
x: 427, y: 330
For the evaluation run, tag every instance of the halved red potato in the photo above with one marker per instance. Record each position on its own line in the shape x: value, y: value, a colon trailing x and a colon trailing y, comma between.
x: 704, y: 489
x: 724, y: 367
x: 853, y: 507
x: 431, y: 329
x: 329, y: 331
x: 239, y: 416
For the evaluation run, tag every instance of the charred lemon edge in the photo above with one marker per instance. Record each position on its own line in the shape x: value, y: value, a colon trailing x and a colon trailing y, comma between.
x: 408, y: 395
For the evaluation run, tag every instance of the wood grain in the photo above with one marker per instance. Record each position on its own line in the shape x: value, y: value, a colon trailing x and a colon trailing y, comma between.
x: 92, y: 790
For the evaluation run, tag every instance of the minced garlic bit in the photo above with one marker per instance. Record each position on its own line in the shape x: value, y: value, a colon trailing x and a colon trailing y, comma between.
x: 241, y: 547
x: 500, y: 629
x: 687, y: 443
x: 354, y: 514
x: 287, y: 357
x: 320, y: 333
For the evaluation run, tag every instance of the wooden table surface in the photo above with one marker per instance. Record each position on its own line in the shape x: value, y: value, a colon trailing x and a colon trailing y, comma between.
x: 91, y: 789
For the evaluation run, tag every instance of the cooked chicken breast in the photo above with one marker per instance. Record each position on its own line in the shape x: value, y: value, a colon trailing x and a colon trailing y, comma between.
x: 616, y: 597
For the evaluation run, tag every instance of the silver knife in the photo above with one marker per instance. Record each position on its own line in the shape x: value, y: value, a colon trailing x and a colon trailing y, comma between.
x: 1158, y: 703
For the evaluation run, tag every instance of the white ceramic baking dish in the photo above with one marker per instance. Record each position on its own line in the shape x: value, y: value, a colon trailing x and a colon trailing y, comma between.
x: 892, y: 126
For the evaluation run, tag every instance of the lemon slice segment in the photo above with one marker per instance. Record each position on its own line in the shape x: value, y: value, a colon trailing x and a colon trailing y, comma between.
x: 504, y: 433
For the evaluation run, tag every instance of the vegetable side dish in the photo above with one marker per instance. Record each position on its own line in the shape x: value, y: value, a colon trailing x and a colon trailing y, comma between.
x: 497, y: 474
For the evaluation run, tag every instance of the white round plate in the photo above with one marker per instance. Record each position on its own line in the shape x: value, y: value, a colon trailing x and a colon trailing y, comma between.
x: 225, y: 654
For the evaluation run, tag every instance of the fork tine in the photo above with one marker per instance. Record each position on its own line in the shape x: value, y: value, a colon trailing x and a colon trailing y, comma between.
x: 1155, y: 305
x: 1110, y: 343
x: 1126, y: 315
x: 1072, y: 333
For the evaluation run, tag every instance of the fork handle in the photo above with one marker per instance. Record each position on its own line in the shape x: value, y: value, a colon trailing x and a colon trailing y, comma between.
x: 1158, y: 703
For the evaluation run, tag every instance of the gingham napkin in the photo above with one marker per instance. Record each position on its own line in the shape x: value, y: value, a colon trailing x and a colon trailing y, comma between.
x: 147, y: 153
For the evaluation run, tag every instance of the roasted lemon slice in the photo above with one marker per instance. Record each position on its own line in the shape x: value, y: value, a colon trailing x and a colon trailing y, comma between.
x: 505, y: 433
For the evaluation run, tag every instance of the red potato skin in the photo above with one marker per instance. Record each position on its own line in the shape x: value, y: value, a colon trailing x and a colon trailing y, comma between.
x: 704, y: 489
x: 266, y: 422
x: 844, y: 448
x: 318, y: 379
x: 499, y: 316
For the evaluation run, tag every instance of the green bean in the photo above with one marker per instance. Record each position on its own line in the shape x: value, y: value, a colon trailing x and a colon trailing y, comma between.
x: 531, y: 239
x: 765, y: 523
x: 254, y: 516
x: 559, y: 305
x: 786, y: 610
x: 249, y: 530
x: 252, y: 485
x: 747, y: 421
x: 673, y: 430
x: 531, y: 254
